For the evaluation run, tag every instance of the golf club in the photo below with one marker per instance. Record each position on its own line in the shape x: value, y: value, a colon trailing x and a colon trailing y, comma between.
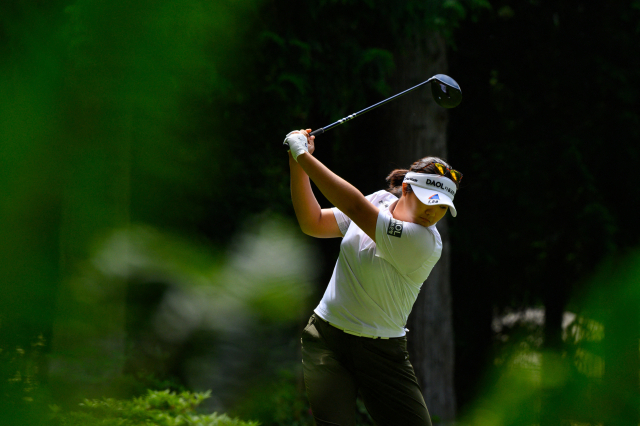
x: 446, y: 92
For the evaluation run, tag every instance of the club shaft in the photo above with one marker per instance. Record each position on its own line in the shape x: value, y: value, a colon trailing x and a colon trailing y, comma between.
x: 321, y: 130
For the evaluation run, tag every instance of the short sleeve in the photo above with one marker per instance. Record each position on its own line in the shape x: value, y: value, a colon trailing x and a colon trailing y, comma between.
x: 405, y: 245
x: 342, y: 219
x: 377, y: 199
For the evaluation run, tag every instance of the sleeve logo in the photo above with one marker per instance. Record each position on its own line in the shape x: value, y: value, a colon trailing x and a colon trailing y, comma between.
x: 395, y: 228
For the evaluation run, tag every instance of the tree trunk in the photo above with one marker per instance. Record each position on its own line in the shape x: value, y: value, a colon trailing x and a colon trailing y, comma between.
x: 418, y: 129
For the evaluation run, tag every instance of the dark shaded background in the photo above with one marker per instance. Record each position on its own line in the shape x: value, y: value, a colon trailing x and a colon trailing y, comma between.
x: 169, y: 115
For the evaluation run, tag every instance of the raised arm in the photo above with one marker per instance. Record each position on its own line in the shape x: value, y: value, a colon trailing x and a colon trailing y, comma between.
x: 338, y: 191
x: 313, y: 220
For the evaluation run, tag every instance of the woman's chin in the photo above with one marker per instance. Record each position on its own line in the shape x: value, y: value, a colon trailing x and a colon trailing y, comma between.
x: 423, y: 222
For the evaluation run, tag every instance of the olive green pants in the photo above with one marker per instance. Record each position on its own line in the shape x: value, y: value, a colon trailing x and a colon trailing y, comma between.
x: 337, y: 365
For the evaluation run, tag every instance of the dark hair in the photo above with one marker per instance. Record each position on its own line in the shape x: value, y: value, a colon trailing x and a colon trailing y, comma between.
x: 424, y: 165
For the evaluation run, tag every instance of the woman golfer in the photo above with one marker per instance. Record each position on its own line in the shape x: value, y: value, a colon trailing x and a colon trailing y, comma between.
x: 356, y: 341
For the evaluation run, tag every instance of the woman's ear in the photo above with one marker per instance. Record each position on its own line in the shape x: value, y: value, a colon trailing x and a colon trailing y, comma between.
x: 404, y: 188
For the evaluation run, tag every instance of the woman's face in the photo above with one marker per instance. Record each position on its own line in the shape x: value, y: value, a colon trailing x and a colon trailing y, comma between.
x: 421, y: 213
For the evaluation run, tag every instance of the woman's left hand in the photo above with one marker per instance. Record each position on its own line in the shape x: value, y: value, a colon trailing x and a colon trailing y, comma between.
x: 310, y: 140
x: 299, y: 142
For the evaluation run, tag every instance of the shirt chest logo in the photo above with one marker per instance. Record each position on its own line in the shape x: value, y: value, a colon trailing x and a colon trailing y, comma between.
x: 395, y: 228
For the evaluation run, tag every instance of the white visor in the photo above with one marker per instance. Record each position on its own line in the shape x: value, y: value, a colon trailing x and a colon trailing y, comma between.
x: 433, y: 189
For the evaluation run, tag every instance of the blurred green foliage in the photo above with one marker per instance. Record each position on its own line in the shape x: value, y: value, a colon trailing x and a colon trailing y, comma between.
x: 158, y: 408
x: 111, y: 113
x: 137, y: 141
x: 592, y: 380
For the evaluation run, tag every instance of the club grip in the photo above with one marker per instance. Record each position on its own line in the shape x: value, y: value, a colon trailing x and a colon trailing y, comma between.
x: 319, y: 131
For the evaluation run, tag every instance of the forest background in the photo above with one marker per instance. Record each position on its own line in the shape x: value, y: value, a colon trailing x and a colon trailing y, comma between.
x: 148, y: 239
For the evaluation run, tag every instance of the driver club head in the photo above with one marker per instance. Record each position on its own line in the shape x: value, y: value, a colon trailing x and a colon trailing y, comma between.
x: 446, y: 92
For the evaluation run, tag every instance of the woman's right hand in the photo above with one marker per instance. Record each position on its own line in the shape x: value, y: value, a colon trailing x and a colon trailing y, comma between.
x: 310, y: 140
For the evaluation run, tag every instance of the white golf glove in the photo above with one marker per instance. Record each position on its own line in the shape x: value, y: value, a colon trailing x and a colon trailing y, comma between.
x: 297, y: 144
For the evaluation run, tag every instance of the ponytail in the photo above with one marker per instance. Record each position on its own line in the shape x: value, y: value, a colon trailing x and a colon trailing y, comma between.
x: 394, y: 181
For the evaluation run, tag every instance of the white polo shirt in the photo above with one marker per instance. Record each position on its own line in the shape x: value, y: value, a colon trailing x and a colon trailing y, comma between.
x: 375, y: 284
